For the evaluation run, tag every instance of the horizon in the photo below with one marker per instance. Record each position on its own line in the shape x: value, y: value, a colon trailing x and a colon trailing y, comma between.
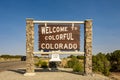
x: 105, y: 16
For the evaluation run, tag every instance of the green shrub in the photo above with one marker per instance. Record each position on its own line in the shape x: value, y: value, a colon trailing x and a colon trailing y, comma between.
x: 78, y: 67
x: 38, y: 64
x: 10, y: 56
x: 72, y: 62
x: 101, y: 64
x: 106, y: 71
x: 41, y: 64
x: 114, y: 59
x: 44, y: 64
x: 80, y: 57
x: 75, y: 64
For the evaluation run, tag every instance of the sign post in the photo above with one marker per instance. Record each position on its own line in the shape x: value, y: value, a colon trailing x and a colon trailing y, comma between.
x: 88, y: 47
x: 58, y: 36
x: 29, y: 48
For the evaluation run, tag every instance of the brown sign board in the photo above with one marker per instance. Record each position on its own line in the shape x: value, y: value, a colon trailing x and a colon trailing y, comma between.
x: 59, y: 37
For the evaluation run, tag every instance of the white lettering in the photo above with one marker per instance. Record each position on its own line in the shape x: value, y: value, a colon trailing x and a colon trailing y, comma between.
x: 49, y: 30
x: 50, y: 37
x: 61, y: 37
x: 43, y: 45
x: 57, y: 29
x: 57, y: 37
x: 65, y: 46
x: 66, y: 28
x: 70, y: 46
x: 43, y: 30
x: 56, y: 46
x: 64, y: 36
x: 47, y: 46
x: 54, y: 30
x: 74, y: 46
x: 46, y: 37
x: 59, y: 46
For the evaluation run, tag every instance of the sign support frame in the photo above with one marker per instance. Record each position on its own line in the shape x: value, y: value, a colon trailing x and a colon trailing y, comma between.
x: 30, y: 44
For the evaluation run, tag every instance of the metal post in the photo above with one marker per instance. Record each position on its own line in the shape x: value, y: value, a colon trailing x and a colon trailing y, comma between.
x: 88, y: 47
x: 29, y: 48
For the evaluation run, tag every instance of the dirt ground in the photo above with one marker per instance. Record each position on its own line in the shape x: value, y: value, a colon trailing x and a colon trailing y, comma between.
x: 115, y: 75
x: 14, y: 71
x: 48, y: 75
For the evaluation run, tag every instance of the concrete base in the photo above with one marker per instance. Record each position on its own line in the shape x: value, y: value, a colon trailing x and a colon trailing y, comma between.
x: 29, y: 74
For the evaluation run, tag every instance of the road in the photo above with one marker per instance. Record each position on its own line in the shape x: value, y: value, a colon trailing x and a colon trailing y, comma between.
x: 11, y: 65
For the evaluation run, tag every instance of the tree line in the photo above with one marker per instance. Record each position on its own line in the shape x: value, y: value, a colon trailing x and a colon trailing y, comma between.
x: 106, y: 63
x: 101, y: 62
x: 10, y: 56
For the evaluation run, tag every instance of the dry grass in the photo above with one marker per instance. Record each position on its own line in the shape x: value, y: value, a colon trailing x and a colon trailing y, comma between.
x: 115, y: 75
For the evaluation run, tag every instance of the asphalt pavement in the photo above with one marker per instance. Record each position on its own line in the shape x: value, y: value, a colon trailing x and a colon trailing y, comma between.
x: 11, y: 65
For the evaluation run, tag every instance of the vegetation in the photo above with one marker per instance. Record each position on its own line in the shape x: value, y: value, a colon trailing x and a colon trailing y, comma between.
x: 72, y: 62
x: 75, y: 64
x: 80, y: 57
x: 114, y: 59
x: 78, y: 67
x: 106, y: 63
x: 38, y: 64
x: 10, y: 56
x: 44, y: 64
x: 101, y: 64
x: 41, y: 64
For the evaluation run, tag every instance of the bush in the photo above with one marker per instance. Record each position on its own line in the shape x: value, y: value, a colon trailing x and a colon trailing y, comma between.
x: 114, y: 59
x: 44, y: 64
x: 101, y: 64
x: 41, y: 64
x: 75, y: 64
x: 72, y: 62
x: 80, y: 57
x: 38, y: 64
x: 78, y: 67
x: 10, y: 56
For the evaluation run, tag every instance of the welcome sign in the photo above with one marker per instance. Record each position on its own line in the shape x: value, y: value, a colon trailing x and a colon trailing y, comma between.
x: 59, y: 37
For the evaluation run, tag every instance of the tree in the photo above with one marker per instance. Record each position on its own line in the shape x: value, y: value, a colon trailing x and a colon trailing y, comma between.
x: 114, y: 59
x: 80, y: 57
x: 71, y: 56
x: 101, y: 64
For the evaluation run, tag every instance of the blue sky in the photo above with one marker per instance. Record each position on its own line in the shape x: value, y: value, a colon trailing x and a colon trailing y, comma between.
x: 104, y: 13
